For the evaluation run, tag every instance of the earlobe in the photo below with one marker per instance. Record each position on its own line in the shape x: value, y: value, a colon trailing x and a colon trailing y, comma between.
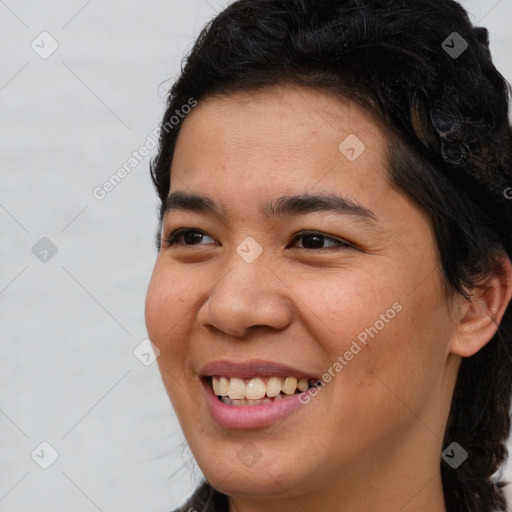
x: 480, y: 318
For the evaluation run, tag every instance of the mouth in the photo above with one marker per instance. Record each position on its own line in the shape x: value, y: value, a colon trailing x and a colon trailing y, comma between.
x: 254, y: 393
x: 237, y: 391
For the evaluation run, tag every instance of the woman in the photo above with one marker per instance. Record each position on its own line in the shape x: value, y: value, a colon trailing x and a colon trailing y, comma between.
x: 331, y: 297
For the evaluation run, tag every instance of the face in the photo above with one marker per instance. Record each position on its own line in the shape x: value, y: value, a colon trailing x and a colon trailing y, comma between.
x: 349, y: 296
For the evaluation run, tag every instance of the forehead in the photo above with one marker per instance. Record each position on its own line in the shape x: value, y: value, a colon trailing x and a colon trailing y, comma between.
x: 285, y: 131
x: 303, y: 110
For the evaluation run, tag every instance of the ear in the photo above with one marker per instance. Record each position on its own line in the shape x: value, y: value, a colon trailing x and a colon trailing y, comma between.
x: 478, y: 319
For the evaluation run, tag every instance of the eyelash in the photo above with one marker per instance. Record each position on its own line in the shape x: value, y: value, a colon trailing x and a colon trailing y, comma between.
x: 175, y: 235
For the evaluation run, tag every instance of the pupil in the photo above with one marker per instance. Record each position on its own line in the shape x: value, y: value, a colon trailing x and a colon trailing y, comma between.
x: 319, y: 238
x: 192, y: 236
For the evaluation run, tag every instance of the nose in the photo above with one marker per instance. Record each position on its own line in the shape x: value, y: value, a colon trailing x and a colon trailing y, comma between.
x: 245, y: 296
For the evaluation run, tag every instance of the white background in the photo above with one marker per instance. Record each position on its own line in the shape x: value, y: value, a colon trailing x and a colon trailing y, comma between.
x: 69, y: 326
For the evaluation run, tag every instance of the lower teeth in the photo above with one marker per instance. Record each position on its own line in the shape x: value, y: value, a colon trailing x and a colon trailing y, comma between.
x: 245, y: 402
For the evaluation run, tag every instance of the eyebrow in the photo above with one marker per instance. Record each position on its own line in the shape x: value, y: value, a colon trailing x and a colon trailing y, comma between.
x: 276, y: 208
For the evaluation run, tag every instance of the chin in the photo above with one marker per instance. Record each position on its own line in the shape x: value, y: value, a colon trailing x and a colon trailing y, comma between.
x: 243, y: 480
x: 251, y: 484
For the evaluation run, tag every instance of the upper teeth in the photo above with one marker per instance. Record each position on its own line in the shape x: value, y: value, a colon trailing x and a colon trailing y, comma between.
x: 256, y: 388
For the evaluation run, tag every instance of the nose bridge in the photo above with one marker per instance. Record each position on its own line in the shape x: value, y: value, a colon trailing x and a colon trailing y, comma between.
x: 247, y: 294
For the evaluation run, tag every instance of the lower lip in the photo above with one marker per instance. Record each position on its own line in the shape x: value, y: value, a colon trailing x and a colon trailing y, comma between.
x: 249, y: 416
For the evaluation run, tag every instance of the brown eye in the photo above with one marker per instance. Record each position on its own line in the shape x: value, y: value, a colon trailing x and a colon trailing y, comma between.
x: 190, y: 237
x: 311, y: 240
x: 315, y: 240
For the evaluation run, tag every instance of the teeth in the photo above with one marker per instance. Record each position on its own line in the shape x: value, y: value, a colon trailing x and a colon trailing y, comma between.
x: 224, y: 386
x: 216, y: 386
x: 274, y: 386
x: 290, y: 385
x: 221, y: 386
x: 236, y: 388
x: 255, y: 389
x: 303, y: 385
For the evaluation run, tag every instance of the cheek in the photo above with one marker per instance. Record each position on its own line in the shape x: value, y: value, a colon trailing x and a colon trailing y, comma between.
x: 168, y: 327
x: 378, y: 326
x: 167, y: 303
x: 341, y: 305
x: 400, y: 369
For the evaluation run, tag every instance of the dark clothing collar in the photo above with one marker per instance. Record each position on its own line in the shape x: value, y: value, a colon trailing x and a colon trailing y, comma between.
x: 206, y: 499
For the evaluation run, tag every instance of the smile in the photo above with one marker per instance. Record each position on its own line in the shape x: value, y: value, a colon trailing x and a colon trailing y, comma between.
x: 236, y: 391
x: 253, y: 393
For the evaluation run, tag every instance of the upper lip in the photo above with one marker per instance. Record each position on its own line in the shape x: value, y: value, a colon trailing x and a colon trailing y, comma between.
x: 252, y: 368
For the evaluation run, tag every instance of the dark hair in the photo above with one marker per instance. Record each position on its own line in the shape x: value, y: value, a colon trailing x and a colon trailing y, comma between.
x: 426, y: 74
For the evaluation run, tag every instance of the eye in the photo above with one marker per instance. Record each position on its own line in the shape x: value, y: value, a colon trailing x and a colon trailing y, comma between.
x: 190, y: 235
x: 315, y: 240
x: 311, y: 239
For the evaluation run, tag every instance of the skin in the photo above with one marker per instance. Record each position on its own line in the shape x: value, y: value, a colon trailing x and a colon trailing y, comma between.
x: 372, y: 438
